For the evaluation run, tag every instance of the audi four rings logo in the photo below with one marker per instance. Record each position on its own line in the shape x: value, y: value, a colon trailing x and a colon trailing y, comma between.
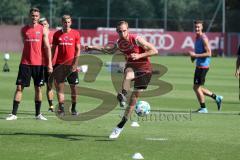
x: 160, y: 41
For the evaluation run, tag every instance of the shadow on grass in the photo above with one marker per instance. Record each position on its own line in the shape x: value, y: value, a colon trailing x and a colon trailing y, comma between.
x: 22, y: 112
x: 70, y: 137
x: 231, y: 102
x: 104, y: 140
x: 192, y: 111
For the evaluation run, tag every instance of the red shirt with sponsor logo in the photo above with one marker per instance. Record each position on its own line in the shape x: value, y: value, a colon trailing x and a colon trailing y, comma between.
x: 66, y: 43
x: 131, y: 46
x: 32, y: 52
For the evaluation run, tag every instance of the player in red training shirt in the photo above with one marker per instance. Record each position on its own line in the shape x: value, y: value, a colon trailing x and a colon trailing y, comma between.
x: 47, y: 78
x: 33, y: 36
x: 68, y: 42
x: 138, y: 69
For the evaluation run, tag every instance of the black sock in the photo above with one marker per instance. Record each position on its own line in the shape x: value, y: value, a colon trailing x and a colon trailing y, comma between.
x: 202, y: 105
x: 37, y: 107
x: 50, y: 102
x: 73, y: 106
x: 61, y: 106
x: 213, y: 96
x: 124, y: 92
x: 122, y: 123
x: 15, y: 107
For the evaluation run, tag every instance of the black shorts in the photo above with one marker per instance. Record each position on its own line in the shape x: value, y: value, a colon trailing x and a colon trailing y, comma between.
x: 25, y: 73
x: 200, y: 75
x: 142, y: 78
x: 61, y: 73
x: 48, y: 79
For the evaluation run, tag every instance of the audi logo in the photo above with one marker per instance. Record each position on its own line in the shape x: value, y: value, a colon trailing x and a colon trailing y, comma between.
x: 160, y: 41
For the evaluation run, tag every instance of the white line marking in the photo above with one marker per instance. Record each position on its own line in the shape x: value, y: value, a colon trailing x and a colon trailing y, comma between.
x: 156, y: 139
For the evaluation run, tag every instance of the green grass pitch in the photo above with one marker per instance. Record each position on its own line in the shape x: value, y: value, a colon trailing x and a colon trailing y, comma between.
x: 174, y: 134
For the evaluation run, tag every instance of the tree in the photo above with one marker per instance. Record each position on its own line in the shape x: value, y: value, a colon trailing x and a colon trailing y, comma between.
x: 150, y: 13
x: 232, y: 15
x: 182, y: 13
x: 12, y: 11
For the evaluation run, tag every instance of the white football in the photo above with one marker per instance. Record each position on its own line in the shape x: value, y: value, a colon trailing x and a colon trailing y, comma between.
x: 142, y: 108
x: 6, y: 56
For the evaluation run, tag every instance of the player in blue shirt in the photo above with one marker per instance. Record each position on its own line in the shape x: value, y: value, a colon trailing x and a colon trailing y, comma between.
x: 202, y: 56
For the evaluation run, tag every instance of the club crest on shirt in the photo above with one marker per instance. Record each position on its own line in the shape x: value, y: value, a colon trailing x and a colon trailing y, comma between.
x: 66, y: 38
x: 37, y: 34
x: 124, y: 45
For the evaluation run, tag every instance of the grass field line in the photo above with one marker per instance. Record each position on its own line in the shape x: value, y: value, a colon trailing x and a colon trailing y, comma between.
x: 155, y: 139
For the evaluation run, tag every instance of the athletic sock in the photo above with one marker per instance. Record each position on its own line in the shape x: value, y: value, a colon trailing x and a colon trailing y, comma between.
x: 61, y: 106
x: 124, y: 92
x: 213, y: 96
x: 202, y: 105
x: 73, y: 106
x: 37, y: 107
x: 15, y: 107
x: 122, y: 123
x: 50, y: 103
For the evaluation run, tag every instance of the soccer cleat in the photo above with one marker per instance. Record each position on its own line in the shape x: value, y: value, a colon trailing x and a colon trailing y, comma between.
x: 219, y: 102
x: 74, y: 112
x: 51, y: 109
x: 40, y: 117
x: 202, y: 110
x: 61, y: 111
x: 115, y: 133
x: 122, y: 99
x: 11, y: 117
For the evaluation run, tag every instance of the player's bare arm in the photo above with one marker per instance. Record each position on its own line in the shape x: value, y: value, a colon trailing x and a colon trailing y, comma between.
x: 97, y: 48
x: 208, y: 52
x: 22, y: 37
x: 47, y: 48
x: 75, y: 60
x: 150, y: 49
x: 53, y: 49
x: 109, y: 48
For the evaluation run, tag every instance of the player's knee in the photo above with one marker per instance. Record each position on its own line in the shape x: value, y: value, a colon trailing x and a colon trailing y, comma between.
x: 196, y: 87
x: 37, y: 89
x: 137, y: 93
x: 49, y: 87
x: 19, y: 88
x: 129, y: 75
x: 61, y: 96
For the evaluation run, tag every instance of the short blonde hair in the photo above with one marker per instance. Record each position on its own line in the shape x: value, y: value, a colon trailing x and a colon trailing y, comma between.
x: 64, y: 17
x: 41, y: 20
x: 121, y: 23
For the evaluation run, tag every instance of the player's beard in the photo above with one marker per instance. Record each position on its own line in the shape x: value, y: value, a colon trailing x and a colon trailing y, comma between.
x: 34, y: 21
